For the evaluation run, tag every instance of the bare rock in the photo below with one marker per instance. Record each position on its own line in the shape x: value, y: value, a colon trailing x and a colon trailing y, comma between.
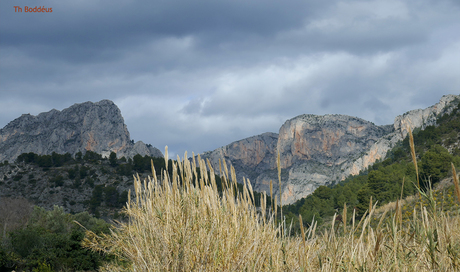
x: 97, y: 127
x: 320, y: 150
x: 250, y: 157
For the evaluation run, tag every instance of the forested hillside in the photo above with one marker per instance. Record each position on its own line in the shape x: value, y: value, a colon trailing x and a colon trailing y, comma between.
x: 34, y: 239
x: 86, y: 182
x: 436, y: 147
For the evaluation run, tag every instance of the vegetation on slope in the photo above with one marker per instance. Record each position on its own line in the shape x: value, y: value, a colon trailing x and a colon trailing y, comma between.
x: 82, y: 183
x: 34, y: 239
x: 436, y: 147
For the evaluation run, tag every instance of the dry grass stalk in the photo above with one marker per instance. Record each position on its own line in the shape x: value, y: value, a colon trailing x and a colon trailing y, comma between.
x: 402, y: 188
x: 457, y: 189
x: 278, y: 163
x: 301, y: 229
x: 166, y: 157
x: 370, y: 205
x: 271, y: 193
x: 414, y: 158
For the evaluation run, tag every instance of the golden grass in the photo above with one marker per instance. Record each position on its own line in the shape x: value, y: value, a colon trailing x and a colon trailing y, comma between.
x: 176, y: 226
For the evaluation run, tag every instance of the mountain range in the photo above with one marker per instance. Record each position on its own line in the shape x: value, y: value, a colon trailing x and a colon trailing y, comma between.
x: 320, y: 150
x: 314, y: 150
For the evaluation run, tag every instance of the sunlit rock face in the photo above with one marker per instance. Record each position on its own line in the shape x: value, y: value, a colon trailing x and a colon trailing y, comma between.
x: 328, y: 139
x: 320, y: 150
x: 421, y: 118
x: 97, y: 127
x: 314, y: 148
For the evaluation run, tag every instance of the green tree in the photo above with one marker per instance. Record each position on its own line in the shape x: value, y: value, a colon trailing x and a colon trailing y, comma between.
x: 96, y: 198
x: 44, y: 161
x: 78, y: 156
x: 113, y: 159
x: 436, y: 163
x: 52, y: 238
x: 92, y: 156
x: 378, y: 185
x: 364, y: 197
x: 111, y: 196
x: 125, y: 169
x: 323, y: 192
x: 58, y: 160
x: 27, y: 157
x: 139, y: 163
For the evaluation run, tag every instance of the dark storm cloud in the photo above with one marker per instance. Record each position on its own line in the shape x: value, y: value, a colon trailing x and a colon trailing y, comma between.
x: 83, y: 28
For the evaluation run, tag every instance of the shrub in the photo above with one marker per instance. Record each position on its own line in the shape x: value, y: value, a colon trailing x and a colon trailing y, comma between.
x: 57, y: 180
x: 111, y: 196
x: 96, y: 198
x: 51, y: 241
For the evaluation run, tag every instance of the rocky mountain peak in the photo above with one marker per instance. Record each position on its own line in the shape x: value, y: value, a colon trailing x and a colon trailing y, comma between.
x: 421, y: 118
x: 328, y: 139
x: 318, y: 150
x: 97, y: 127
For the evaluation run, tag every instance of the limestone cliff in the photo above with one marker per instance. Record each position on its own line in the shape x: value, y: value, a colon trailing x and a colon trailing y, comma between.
x: 427, y: 117
x: 250, y: 157
x: 415, y: 119
x: 328, y: 139
x: 314, y: 147
x: 319, y: 150
x: 98, y: 127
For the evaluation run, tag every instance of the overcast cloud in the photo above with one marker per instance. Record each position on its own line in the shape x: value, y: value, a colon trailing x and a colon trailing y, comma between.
x: 199, y: 74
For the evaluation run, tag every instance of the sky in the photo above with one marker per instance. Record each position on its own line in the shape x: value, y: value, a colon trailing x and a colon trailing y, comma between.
x: 199, y: 74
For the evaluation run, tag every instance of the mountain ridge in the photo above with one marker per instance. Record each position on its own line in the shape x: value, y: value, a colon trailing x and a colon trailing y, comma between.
x: 88, y: 126
x: 314, y: 150
x: 321, y: 150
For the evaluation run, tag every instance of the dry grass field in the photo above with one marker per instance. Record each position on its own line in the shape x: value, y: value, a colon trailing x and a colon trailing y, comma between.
x: 184, y: 224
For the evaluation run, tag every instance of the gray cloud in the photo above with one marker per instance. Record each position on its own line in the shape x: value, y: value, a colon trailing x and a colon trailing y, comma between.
x: 199, y: 74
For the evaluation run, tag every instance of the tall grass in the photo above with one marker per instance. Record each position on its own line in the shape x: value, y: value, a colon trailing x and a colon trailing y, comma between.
x: 184, y: 224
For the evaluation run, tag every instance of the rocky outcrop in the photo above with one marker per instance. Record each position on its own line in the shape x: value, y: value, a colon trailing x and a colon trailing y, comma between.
x: 97, y: 127
x: 250, y: 157
x: 427, y: 117
x: 314, y: 148
x: 328, y: 139
x: 320, y: 150
x: 414, y: 119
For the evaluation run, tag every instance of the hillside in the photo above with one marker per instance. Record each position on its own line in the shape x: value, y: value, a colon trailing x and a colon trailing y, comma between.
x: 321, y: 150
x: 84, y: 183
x: 436, y: 146
x: 207, y: 230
